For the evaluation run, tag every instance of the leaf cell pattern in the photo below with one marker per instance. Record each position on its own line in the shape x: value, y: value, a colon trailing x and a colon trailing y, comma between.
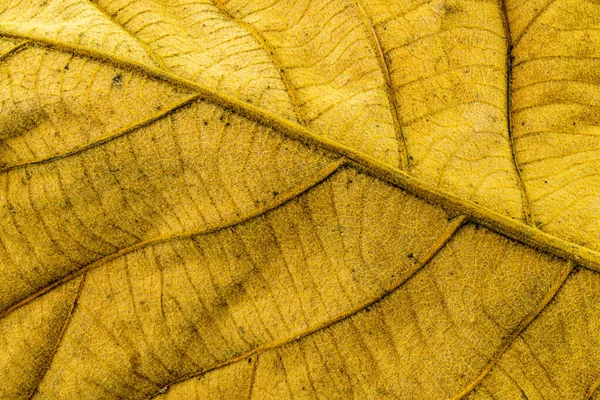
x: 299, y: 199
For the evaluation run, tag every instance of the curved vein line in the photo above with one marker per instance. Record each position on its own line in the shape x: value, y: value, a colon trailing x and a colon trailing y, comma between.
x: 253, y: 377
x: 556, y: 103
x: 550, y: 294
x: 61, y: 335
x: 277, y: 63
x: 593, y: 388
x: 448, y: 71
x: 532, y: 21
x: 385, y: 71
x: 451, y: 229
x: 153, y: 56
x: 560, y: 81
x: 525, y: 201
x: 111, y: 136
x: 491, y: 219
x: 557, y: 57
x: 13, y: 50
x: 280, y: 200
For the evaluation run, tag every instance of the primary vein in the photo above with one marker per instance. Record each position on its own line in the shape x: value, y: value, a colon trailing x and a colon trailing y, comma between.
x: 500, y: 223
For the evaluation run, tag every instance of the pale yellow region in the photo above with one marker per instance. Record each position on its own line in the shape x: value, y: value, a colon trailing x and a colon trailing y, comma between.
x: 329, y: 55
x: 71, y: 21
x: 177, y: 308
x: 62, y: 102
x: 196, y: 168
x: 448, y: 69
x: 428, y: 340
x: 556, y: 119
x: 227, y: 383
x: 558, y: 357
x: 28, y: 339
x: 198, y: 41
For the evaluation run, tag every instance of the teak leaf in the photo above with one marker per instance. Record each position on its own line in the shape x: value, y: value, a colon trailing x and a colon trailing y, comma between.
x: 345, y: 199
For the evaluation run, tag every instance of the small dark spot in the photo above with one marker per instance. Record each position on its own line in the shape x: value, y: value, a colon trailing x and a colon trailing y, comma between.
x: 275, y: 193
x: 116, y: 81
x: 410, y: 255
x: 227, y: 124
x: 249, y: 361
x: 368, y: 308
x: 205, y: 122
x: 66, y: 68
x: 451, y: 9
x: 574, y: 123
x: 522, y: 123
x: 538, y: 223
x: 10, y: 208
x: 545, y: 181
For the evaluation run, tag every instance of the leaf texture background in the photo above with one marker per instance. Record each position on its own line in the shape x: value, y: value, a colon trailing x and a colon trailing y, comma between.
x: 299, y: 199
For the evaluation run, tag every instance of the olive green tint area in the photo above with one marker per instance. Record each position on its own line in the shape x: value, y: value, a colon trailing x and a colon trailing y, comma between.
x: 299, y: 199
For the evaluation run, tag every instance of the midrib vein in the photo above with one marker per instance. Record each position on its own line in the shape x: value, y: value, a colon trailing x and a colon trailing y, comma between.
x: 495, y: 221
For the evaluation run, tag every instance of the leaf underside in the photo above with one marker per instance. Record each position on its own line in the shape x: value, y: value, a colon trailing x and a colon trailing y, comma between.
x: 338, y: 199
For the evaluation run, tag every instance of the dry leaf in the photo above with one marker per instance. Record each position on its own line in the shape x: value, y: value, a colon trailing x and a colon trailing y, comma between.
x: 299, y: 199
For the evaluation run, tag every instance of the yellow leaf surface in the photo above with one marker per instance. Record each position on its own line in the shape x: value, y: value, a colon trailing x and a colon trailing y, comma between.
x: 299, y: 199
